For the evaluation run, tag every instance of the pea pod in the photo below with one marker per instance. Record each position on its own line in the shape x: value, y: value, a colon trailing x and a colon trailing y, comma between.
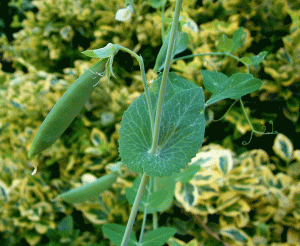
x: 66, y: 109
x: 89, y: 191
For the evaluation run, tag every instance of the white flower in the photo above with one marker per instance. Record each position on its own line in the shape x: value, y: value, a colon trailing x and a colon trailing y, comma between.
x: 124, y: 14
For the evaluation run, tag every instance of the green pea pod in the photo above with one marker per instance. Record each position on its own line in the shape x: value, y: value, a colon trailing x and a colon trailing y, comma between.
x: 66, y: 109
x: 89, y: 191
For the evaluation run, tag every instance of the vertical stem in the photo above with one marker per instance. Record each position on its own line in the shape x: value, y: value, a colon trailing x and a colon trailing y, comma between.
x: 134, y: 209
x: 145, y: 212
x: 165, y: 75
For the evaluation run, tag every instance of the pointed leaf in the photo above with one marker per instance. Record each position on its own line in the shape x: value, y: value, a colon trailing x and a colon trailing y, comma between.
x: 158, y: 237
x: 116, y: 232
x: 238, y: 38
x: 213, y: 80
x: 181, y: 44
x: 254, y: 60
x: 188, y: 173
x: 157, y: 3
x: 225, y: 44
x: 107, y: 51
x: 238, y: 85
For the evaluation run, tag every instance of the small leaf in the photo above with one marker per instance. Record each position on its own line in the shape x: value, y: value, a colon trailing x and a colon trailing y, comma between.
x: 158, y: 237
x: 238, y: 85
x: 254, y: 60
x: 188, y: 173
x: 160, y: 200
x: 107, y: 51
x: 225, y: 44
x: 66, y: 226
x: 157, y: 3
x: 116, y: 232
x: 213, y: 80
x: 238, y: 38
x: 181, y: 44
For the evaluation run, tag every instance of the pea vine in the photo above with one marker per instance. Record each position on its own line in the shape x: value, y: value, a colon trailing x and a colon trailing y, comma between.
x: 161, y: 131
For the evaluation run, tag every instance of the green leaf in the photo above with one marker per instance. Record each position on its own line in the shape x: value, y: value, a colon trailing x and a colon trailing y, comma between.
x: 213, y: 80
x: 181, y: 44
x: 156, y: 3
x: 188, y: 174
x: 181, y: 132
x: 116, y: 232
x: 238, y: 38
x: 158, y: 237
x: 66, y: 226
x: 225, y: 44
x: 107, y: 51
x: 254, y: 60
x: 160, y: 200
x: 238, y: 85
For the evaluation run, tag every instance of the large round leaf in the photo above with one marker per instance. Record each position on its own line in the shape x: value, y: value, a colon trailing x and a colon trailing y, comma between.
x: 181, y: 130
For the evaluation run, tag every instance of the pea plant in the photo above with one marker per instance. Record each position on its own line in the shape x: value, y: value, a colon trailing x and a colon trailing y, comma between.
x: 161, y: 131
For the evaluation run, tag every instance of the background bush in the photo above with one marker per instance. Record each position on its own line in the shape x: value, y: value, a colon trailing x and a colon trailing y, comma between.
x: 40, y: 55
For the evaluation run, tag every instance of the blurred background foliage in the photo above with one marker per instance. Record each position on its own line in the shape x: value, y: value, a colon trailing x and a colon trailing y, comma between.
x: 40, y: 51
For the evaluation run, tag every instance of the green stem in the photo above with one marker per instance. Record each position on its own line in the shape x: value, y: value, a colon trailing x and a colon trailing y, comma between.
x: 144, y: 79
x: 155, y: 218
x: 145, y: 212
x: 165, y: 75
x: 134, y: 209
x: 212, y: 54
x: 163, y: 22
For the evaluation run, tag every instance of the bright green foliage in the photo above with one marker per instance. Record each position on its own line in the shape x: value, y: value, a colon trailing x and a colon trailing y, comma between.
x: 181, y: 132
x: 234, y: 87
x: 157, y: 3
x: 181, y: 43
x: 156, y: 237
x: 160, y: 200
x: 254, y: 60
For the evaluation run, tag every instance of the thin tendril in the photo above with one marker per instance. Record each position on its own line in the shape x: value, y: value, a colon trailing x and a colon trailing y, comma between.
x: 226, y: 112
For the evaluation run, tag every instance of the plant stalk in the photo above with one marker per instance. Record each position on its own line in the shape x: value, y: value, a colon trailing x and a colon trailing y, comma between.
x: 134, y: 209
x: 165, y: 75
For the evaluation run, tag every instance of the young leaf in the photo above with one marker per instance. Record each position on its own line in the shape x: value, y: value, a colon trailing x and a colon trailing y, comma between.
x: 213, y: 80
x: 254, y: 60
x: 157, y: 3
x: 188, y: 174
x: 160, y: 200
x: 107, y: 51
x: 181, y: 44
x: 238, y: 85
x: 181, y: 133
x: 225, y: 44
x: 116, y: 232
x: 238, y: 38
x: 66, y: 226
x: 158, y: 237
